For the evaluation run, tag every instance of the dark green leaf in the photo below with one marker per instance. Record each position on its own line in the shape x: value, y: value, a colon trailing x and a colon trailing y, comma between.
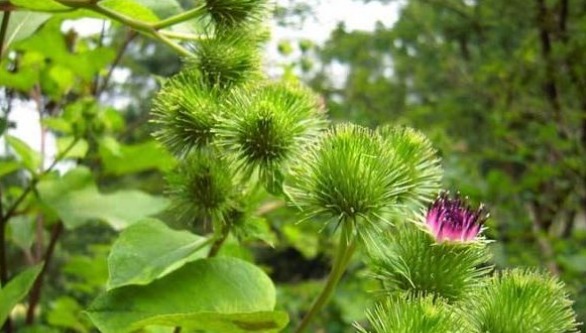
x: 218, y: 294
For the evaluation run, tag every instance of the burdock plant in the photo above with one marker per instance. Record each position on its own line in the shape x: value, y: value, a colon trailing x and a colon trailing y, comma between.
x: 236, y: 133
x: 353, y: 177
x: 184, y: 111
x: 521, y: 301
x: 434, y: 274
x: 266, y: 127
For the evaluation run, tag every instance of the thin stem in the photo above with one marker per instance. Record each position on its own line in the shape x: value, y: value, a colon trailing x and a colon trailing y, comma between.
x: 3, y: 30
x: 35, y: 294
x: 343, y: 255
x: 182, y: 36
x: 129, y: 37
x: 178, y: 48
x: 126, y: 20
x: 217, y: 245
x: 143, y: 27
x: 3, y: 261
x: 3, y: 270
x: 10, y: 211
x: 179, y: 18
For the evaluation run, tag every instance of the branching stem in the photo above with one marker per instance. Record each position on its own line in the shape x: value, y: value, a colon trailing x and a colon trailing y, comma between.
x: 35, y: 294
x: 149, y: 29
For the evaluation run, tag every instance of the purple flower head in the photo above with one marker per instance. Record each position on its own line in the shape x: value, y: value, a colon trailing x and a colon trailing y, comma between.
x: 454, y: 220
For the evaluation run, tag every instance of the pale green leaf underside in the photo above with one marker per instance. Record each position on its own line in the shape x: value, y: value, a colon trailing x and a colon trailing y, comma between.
x: 76, y: 199
x: 30, y: 158
x: 149, y: 250
x: 223, y: 294
x: 23, y: 24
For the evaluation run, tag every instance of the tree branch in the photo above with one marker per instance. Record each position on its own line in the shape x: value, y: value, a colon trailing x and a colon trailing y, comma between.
x: 35, y: 294
x: 129, y: 37
x: 3, y: 30
x: 549, y: 85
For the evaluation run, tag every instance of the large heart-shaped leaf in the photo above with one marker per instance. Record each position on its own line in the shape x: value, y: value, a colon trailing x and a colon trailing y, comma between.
x: 76, y: 199
x: 219, y: 294
x: 16, y: 290
x: 149, y: 250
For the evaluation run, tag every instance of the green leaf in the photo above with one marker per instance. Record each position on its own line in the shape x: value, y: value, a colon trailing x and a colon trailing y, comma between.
x: 162, y: 8
x: 58, y: 124
x: 23, y: 24
x: 23, y: 80
x: 149, y: 250
x: 130, y: 8
x: 30, y: 158
x: 22, y: 231
x: 144, y: 156
x: 76, y: 200
x: 218, y: 294
x: 78, y: 150
x: 57, y: 80
x: 40, y: 5
x: 66, y: 312
x: 16, y: 290
x: 7, y: 167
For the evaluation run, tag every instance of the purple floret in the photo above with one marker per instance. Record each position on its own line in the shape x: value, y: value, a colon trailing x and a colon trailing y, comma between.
x: 454, y: 220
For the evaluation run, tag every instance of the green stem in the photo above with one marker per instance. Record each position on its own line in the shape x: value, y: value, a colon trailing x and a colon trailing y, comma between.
x: 181, y: 35
x: 176, y: 47
x: 179, y: 18
x: 10, y: 211
x: 140, y: 26
x: 217, y: 245
x: 344, y: 253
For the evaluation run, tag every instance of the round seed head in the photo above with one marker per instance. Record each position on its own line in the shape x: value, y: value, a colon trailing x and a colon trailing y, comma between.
x: 522, y: 301
x: 422, y: 174
x: 229, y: 14
x: 268, y: 126
x: 346, y: 177
x: 227, y: 59
x: 184, y: 112
x: 202, y: 187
